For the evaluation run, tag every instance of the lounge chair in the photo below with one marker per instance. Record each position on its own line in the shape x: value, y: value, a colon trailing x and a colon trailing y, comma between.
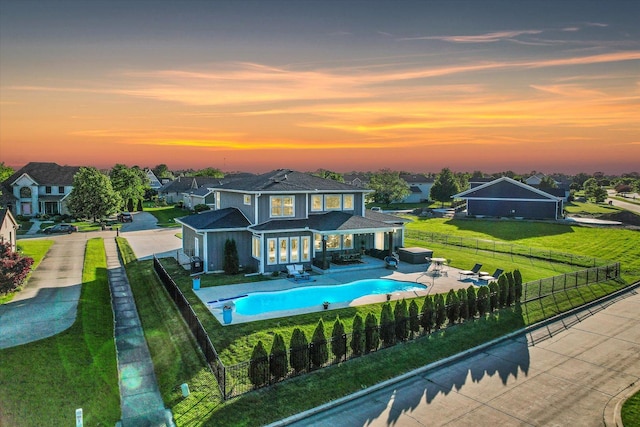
x: 476, y: 268
x: 391, y: 262
x: 493, y: 277
x: 297, y: 272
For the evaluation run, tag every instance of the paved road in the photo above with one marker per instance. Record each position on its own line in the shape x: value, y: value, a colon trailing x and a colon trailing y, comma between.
x: 48, y: 304
x: 146, y: 238
x: 570, y: 373
x: 624, y: 205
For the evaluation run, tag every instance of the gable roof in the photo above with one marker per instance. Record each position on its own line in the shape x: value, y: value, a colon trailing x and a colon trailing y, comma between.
x: 287, y: 181
x: 228, y: 218
x: 329, y: 221
x: 5, y: 215
x: 507, y: 189
x: 44, y: 173
x: 185, y: 183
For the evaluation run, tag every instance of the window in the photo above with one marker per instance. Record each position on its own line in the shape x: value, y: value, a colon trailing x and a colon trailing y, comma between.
x: 247, y: 199
x: 282, y: 206
x: 333, y: 202
x: 283, y: 252
x: 306, y: 246
x: 317, y: 242
x: 196, y: 247
x: 347, y: 202
x: 347, y: 241
x: 217, y: 200
x: 61, y: 190
x: 25, y: 192
x: 333, y: 241
x: 271, y: 251
x: 316, y: 203
x: 294, y: 254
x: 47, y: 189
x: 255, y: 246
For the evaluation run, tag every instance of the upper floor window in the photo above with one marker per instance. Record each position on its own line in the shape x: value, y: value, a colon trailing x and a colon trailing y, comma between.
x: 217, y: 200
x: 47, y: 189
x: 25, y: 192
x: 316, y: 202
x: 282, y: 206
x: 333, y: 202
x: 61, y: 190
x: 347, y: 202
x: 247, y: 199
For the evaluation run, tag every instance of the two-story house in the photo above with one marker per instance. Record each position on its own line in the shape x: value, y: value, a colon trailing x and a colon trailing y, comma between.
x: 287, y: 217
x: 39, y: 188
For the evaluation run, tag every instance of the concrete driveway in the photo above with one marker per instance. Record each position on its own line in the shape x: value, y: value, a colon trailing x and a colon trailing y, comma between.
x: 48, y: 304
x: 570, y: 373
x: 146, y: 238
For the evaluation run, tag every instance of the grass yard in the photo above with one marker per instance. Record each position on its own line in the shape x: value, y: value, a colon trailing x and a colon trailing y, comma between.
x: 588, y: 208
x: 44, y: 382
x: 36, y: 249
x: 631, y: 411
x: 166, y: 214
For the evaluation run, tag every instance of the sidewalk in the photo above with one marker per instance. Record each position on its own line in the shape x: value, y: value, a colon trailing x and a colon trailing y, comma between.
x: 140, y: 399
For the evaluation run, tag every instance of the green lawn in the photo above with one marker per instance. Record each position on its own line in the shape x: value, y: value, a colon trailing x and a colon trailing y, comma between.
x: 44, y: 382
x: 631, y: 411
x: 35, y: 249
x: 589, y: 208
x: 166, y: 214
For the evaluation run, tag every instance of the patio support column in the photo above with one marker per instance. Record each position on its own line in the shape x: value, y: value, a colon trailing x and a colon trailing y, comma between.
x: 390, y: 243
x: 324, y: 252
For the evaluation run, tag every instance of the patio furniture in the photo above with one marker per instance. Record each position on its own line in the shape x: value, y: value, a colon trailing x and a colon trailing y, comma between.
x: 297, y: 272
x: 391, y: 262
x: 475, y: 270
x: 493, y: 277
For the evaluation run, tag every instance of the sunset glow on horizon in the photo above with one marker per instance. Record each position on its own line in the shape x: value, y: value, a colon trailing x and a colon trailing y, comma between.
x: 345, y: 86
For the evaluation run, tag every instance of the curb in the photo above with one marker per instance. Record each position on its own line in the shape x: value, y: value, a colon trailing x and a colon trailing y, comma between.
x: 459, y: 356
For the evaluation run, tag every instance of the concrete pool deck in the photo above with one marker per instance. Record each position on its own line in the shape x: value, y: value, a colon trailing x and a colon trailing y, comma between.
x: 415, y: 273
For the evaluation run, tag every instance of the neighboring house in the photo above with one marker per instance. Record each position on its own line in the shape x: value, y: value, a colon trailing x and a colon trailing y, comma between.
x: 356, y: 179
x: 172, y: 192
x: 154, y: 182
x: 287, y: 217
x: 506, y: 197
x: 419, y: 186
x: 8, y: 228
x: 39, y: 188
x: 562, y: 185
x: 199, y: 196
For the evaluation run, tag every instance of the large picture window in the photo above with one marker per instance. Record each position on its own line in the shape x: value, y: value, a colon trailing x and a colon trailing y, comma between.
x: 333, y: 241
x: 306, y: 249
x: 271, y: 251
x: 347, y: 202
x: 294, y: 246
x: 282, y: 206
x: 333, y: 202
x: 283, y: 250
x: 255, y: 247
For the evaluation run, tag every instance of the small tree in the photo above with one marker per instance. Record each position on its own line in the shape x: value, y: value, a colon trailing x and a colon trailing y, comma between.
x: 511, y: 291
x: 401, y: 316
x: 414, y: 319
x: 388, y: 186
x: 444, y: 186
x: 231, y: 260
x: 338, y: 340
x: 357, y: 336
x: 494, y: 296
x: 483, y: 301
x: 472, y: 301
x: 517, y: 278
x: 371, y: 333
x: 453, y: 306
x: 278, y: 364
x: 14, y: 268
x: 318, y: 351
x: 503, y: 286
x: 464, y: 304
x: 299, y: 351
x: 428, y: 314
x: 441, y: 311
x: 259, y: 366
x: 387, y: 326
x: 92, y: 195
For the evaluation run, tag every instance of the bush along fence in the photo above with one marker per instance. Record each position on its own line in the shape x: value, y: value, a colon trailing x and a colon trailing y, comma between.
x: 404, y: 321
x: 505, y: 248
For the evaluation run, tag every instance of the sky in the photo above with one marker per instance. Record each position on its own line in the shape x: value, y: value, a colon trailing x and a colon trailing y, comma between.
x: 416, y: 86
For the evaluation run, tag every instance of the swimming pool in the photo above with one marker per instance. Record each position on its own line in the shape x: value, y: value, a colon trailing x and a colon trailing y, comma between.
x: 310, y: 296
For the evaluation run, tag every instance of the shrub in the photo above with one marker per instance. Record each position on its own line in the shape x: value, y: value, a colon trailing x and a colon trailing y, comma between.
x: 14, y: 268
x: 357, y: 336
x: 472, y: 301
x: 318, y: 352
x: 231, y: 260
x: 511, y: 288
x: 428, y: 314
x: 453, y: 306
x: 517, y: 279
x: 371, y: 333
x: 503, y: 286
x: 299, y: 351
x: 441, y: 311
x: 259, y: 366
x: 278, y: 364
x: 414, y: 319
x: 401, y: 316
x: 387, y: 326
x: 483, y: 301
x: 338, y: 340
x: 200, y: 208
x: 464, y: 304
x: 494, y: 295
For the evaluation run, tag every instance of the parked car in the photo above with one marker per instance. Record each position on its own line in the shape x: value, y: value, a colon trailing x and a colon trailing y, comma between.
x: 376, y: 209
x: 60, y: 228
x: 125, y: 217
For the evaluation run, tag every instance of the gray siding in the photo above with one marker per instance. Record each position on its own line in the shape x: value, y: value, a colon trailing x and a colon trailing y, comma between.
x: 536, y: 210
x: 215, y: 249
x: 236, y: 200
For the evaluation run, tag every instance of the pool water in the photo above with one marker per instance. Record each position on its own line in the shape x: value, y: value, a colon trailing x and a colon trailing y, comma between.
x: 265, y: 302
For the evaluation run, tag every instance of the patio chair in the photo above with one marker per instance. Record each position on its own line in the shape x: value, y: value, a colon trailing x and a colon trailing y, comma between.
x: 297, y: 272
x: 493, y: 277
x: 391, y: 262
x: 476, y: 268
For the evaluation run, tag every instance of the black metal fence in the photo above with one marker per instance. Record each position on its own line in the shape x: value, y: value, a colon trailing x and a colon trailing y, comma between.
x: 247, y: 376
x: 504, y: 248
x: 196, y: 328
